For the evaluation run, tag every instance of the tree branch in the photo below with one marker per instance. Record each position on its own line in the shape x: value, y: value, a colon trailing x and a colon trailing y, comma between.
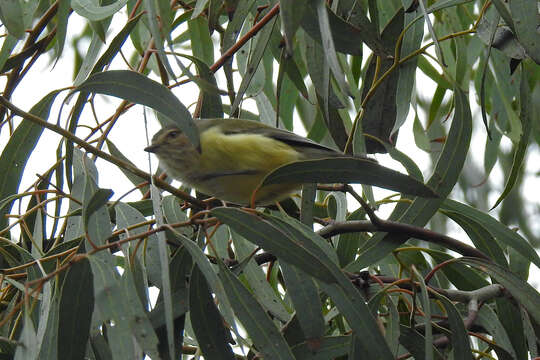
x: 91, y: 149
x: 393, y: 227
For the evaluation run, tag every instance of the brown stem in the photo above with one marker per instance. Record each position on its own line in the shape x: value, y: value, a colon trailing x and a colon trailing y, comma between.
x: 381, y: 225
x: 254, y: 30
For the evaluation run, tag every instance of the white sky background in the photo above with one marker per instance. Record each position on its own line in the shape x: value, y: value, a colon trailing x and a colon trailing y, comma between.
x: 129, y: 136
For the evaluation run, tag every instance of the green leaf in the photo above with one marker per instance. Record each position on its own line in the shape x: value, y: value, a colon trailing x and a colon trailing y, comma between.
x: 139, y: 89
x: 255, y: 276
x: 309, y: 191
x: 93, y: 11
x: 243, y: 7
x: 27, y: 346
x: 351, y: 304
x: 483, y: 240
x: 76, y: 297
x: 49, y: 339
x: 328, y: 347
x: 211, y: 105
x: 61, y: 26
x: 211, y: 277
x: 434, y: 37
x: 134, y: 179
x: 526, y: 23
x: 499, y: 36
x: 17, y: 151
x: 166, y: 289
x: 327, y: 100
x: 305, y: 298
x: 349, y: 243
x: 11, y: 15
x: 88, y: 63
x: 271, y: 238
x: 347, y: 170
x: 414, y: 343
x: 201, y: 42
x: 509, y: 314
x: 118, y: 302
x: 104, y: 60
x: 96, y: 201
x: 347, y: 38
x: 329, y: 47
x: 305, y: 235
x: 291, y: 244
x: 460, y: 338
x: 520, y: 290
x: 291, y: 13
x: 407, y: 72
x: 489, y: 319
x: 254, y: 62
x: 446, y: 174
x: 430, y: 71
x: 392, y: 327
x: 530, y: 334
x: 127, y: 216
x: 462, y: 277
x: 266, y: 337
x: 426, y: 308
x: 206, y: 320
x: 8, y: 45
x: 181, y: 266
x: 99, y: 347
x: 500, y: 231
x: 199, y: 7
x: 526, y: 127
x: 155, y: 27
x: 214, y: 11
x: 379, y: 116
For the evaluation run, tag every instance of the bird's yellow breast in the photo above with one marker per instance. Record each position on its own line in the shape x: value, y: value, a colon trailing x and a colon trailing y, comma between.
x: 240, y: 162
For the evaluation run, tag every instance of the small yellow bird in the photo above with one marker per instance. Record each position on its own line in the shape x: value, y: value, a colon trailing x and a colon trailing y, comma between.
x: 234, y: 157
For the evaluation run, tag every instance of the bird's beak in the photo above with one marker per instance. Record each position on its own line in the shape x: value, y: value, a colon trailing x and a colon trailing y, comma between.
x: 151, y: 148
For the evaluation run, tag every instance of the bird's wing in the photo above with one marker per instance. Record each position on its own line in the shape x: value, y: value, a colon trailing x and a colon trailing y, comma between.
x: 239, y: 126
x: 223, y: 173
x: 242, y: 126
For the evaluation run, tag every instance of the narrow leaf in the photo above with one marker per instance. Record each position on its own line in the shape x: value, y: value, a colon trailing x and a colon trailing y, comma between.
x: 329, y: 47
x: 274, y: 240
x: 329, y: 347
x: 93, y: 11
x: 526, y: 25
x: 347, y: 38
x: 206, y: 320
x: 97, y: 201
x: 139, y: 89
x: 262, y: 40
x: 527, y: 296
x: 11, y: 14
x: 291, y: 13
x: 445, y: 176
x: 348, y: 170
x: 76, y: 297
x: 17, y: 151
x: 257, y: 323
x: 526, y: 127
x: 500, y: 231
x: 305, y: 297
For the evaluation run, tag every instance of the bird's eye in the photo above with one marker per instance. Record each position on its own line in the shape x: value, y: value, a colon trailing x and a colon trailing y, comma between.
x: 173, y: 134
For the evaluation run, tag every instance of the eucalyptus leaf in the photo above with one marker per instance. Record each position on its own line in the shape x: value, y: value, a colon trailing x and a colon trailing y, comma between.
x: 137, y: 88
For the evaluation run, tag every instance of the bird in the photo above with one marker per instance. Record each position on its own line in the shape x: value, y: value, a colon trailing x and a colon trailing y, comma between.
x: 234, y: 157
